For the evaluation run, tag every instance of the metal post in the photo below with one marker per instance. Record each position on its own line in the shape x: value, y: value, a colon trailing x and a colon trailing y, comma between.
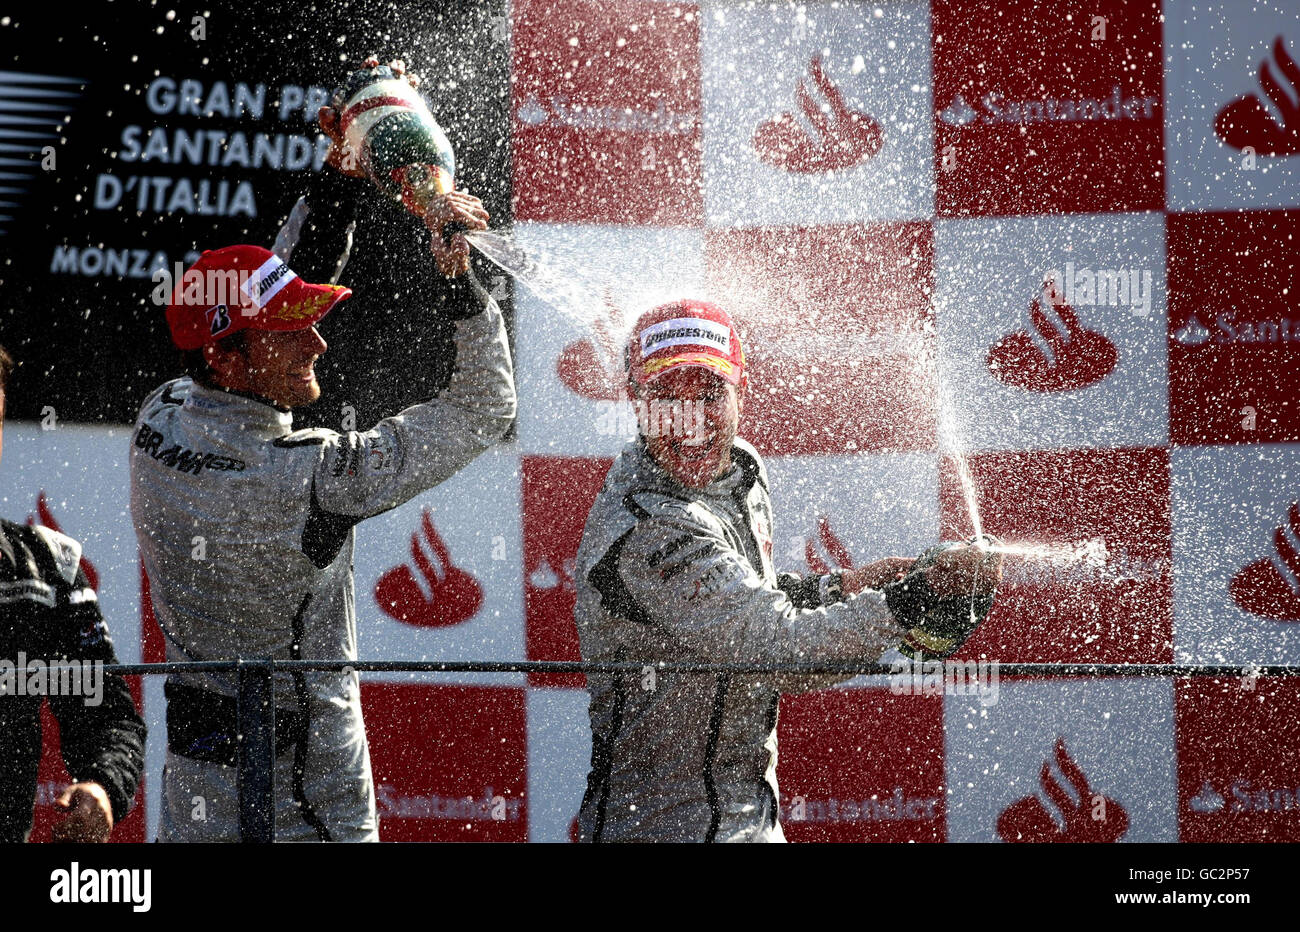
x: 256, y: 753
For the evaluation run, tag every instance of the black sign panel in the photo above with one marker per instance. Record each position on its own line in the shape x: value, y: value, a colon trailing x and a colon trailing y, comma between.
x: 133, y: 136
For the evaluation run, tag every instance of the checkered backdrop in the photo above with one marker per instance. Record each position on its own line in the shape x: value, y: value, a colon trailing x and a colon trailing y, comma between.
x: 879, y: 191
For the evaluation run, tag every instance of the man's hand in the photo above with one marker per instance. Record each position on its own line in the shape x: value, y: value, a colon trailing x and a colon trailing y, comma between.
x: 965, y: 570
x: 460, y: 207
x: 339, y: 156
x: 944, y: 598
x: 90, y: 814
x: 874, y: 575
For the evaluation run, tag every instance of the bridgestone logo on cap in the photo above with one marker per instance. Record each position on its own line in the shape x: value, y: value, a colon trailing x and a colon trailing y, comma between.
x: 686, y: 331
x: 271, y: 276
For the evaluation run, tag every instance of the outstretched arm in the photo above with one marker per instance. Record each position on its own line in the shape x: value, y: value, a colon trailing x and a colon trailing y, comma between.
x: 710, y: 597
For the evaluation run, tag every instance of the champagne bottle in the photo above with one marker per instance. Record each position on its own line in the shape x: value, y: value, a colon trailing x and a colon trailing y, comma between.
x: 388, y: 128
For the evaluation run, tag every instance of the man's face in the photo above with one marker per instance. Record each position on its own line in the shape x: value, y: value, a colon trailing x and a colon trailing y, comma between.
x: 689, y: 417
x: 281, y: 366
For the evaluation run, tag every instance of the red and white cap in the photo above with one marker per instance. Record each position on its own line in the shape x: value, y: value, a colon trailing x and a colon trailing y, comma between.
x: 244, y: 288
x: 685, y: 333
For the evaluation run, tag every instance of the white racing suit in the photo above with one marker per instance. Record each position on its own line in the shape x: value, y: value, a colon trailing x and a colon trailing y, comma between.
x: 246, y: 532
x: 676, y: 574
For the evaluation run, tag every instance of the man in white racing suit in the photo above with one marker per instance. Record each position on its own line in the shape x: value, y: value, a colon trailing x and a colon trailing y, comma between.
x: 246, y: 530
x: 676, y: 564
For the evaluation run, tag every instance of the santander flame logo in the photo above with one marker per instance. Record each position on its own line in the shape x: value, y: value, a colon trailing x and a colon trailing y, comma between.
x: 544, y: 576
x: 45, y: 518
x: 1208, y: 800
x: 1056, y: 354
x: 841, y: 137
x: 1262, y: 588
x: 834, y: 548
x: 1248, y: 122
x: 587, y: 367
x: 453, y: 595
x: 582, y: 372
x: 1193, y: 332
x: 1027, y: 819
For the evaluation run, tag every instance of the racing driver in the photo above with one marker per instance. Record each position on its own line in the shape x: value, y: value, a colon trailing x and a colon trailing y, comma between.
x: 675, y: 564
x: 246, y: 528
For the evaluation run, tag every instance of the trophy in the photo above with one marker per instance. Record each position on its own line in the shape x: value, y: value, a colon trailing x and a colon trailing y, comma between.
x: 388, y: 129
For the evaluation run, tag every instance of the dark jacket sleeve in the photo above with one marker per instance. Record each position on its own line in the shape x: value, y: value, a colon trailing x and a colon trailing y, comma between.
x: 103, y: 742
x: 315, y: 240
x: 346, y: 231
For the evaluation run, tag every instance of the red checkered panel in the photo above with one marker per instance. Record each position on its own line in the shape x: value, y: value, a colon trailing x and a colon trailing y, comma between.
x: 1114, y: 607
x: 1233, y: 327
x: 1056, y: 238
x: 1237, y: 760
x: 606, y: 112
x: 1047, y: 107
x: 449, y: 761
x: 876, y: 775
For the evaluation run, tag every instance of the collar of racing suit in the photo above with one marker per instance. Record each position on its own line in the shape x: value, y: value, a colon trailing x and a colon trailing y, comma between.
x: 254, y: 412
x: 726, y: 496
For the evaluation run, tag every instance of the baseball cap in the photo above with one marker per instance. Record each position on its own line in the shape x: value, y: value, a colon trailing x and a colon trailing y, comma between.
x: 244, y: 288
x: 685, y: 333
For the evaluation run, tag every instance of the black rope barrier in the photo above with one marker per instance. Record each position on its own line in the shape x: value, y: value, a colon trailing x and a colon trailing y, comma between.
x: 631, y: 666
x: 256, y: 741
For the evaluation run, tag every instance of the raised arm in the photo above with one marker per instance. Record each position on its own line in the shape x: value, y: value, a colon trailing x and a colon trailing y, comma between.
x: 362, y: 473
